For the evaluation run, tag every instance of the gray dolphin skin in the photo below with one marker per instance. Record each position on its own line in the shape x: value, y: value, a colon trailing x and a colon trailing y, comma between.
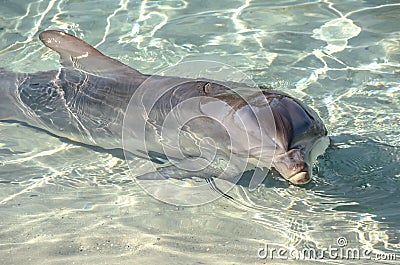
x: 88, y: 99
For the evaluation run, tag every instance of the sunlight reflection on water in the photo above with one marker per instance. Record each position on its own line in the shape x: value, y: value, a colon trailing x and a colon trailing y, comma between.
x: 71, y: 202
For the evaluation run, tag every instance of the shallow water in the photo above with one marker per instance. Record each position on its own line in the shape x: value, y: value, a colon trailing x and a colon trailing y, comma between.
x: 62, y: 203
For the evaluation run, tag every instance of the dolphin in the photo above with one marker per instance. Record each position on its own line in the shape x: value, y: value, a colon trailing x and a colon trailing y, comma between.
x: 96, y: 100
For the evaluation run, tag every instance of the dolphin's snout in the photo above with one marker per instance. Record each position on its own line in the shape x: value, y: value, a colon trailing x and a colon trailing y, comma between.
x: 292, y: 167
x: 300, y: 178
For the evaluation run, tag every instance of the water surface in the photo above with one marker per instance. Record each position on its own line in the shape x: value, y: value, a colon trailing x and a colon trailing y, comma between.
x: 62, y: 203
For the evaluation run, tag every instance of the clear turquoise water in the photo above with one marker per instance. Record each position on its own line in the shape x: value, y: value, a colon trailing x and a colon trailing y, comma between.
x: 62, y: 203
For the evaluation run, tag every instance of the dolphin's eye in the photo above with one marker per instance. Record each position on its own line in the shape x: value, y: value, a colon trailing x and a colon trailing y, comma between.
x: 207, y: 88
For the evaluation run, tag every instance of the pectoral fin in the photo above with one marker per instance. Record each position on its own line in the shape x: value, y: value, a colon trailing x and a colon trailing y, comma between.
x: 172, y: 171
x: 183, y: 169
x: 257, y: 178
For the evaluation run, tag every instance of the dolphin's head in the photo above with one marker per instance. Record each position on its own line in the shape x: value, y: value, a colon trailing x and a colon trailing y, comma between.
x: 300, y: 137
x: 271, y: 127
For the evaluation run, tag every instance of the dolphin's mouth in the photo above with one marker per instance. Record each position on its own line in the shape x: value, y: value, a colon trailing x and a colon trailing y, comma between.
x: 300, y: 178
x: 292, y: 166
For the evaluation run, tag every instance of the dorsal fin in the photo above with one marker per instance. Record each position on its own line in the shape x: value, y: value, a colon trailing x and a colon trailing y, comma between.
x: 76, y: 53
